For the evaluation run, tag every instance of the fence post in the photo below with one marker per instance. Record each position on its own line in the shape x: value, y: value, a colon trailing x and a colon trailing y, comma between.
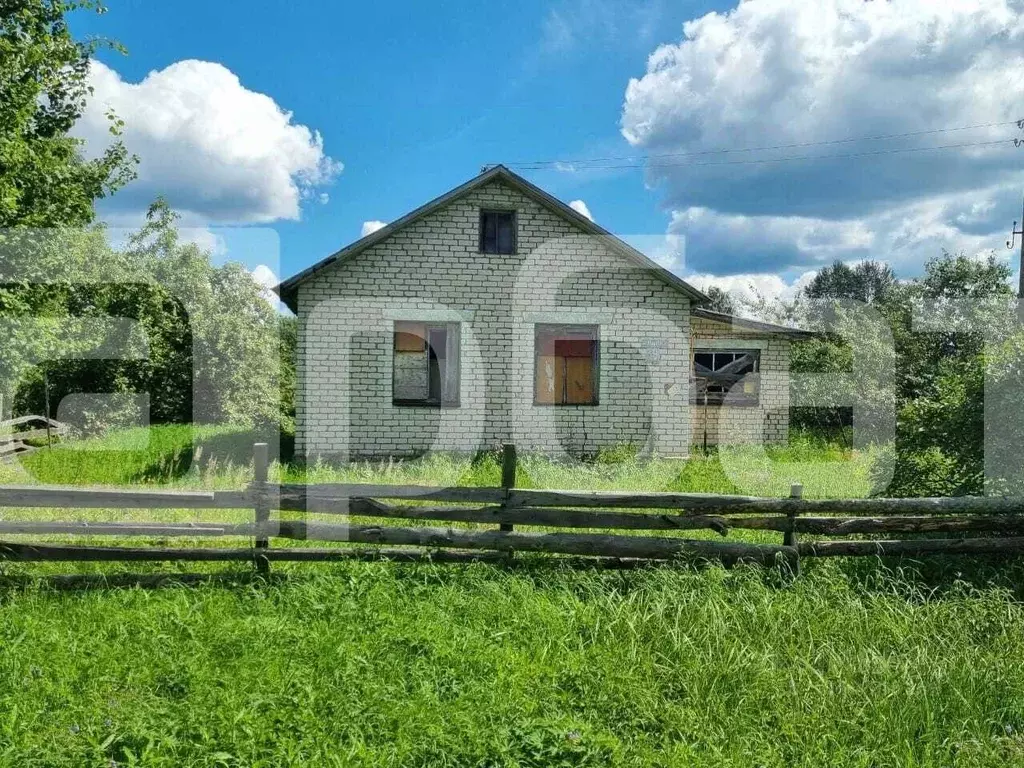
x: 508, y: 475
x: 789, y: 538
x: 261, y: 462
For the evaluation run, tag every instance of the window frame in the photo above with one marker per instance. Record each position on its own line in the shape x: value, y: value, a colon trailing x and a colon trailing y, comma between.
x: 511, y: 213
x: 595, y: 370
x: 452, y: 330
x: 721, y: 399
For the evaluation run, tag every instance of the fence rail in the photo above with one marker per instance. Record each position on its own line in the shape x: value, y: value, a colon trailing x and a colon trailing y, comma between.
x: 611, y: 526
x: 13, y: 434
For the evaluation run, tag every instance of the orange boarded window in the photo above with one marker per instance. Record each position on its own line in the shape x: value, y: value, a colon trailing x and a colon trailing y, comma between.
x: 566, y: 370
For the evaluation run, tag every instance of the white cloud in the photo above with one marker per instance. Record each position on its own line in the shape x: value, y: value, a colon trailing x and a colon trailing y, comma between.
x: 906, y: 236
x: 581, y: 208
x: 206, y: 239
x: 733, y: 243
x: 751, y: 287
x: 773, y: 72
x: 369, y: 227
x: 268, y: 280
x: 212, y: 147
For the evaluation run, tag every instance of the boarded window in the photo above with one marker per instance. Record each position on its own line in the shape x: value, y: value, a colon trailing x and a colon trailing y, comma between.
x: 566, y: 364
x: 726, y: 377
x: 497, y: 232
x: 426, y: 364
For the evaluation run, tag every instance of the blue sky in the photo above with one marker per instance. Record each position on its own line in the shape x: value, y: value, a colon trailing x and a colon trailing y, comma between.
x: 410, y: 99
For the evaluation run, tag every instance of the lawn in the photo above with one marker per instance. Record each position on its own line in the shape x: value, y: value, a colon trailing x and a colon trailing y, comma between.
x: 856, y: 663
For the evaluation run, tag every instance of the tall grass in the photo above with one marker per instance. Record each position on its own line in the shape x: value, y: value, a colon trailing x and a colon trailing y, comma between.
x: 528, y: 664
x: 220, y: 457
x: 389, y: 665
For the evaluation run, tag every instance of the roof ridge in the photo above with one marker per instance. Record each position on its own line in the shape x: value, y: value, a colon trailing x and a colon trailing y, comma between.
x: 286, y: 288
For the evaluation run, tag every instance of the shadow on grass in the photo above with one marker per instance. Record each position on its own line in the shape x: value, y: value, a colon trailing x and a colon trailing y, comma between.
x: 233, y: 448
x: 933, y: 577
x: 83, y: 582
x: 170, y: 452
x: 415, y: 566
x: 911, y: 580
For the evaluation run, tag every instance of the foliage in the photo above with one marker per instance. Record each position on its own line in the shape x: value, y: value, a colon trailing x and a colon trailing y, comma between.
x: 205, y: 334
x: 288, y: 334
x: 946, y: 369
x: 721, y: 301
x: 44, y: 179
x: 869, y: 282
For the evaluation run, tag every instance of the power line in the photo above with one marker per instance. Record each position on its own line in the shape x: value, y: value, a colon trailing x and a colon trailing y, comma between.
x: 587, y: 162
x: 791, y: 158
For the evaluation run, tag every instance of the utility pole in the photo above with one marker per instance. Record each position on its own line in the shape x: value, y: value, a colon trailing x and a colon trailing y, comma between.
x: 1009, y: 246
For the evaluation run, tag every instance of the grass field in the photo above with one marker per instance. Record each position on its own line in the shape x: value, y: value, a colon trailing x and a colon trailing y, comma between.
x: 220, y: 457
x: 857, y: 663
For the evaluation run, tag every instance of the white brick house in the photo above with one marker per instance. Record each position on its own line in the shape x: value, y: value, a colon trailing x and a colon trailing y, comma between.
x: 496, y: 313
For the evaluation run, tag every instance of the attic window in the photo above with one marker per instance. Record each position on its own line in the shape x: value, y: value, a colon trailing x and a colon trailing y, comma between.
x: 426, y: 364
x: 497, y: 232
x: 726, y: 377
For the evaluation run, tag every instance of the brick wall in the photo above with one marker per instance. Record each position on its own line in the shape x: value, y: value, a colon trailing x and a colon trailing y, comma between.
x: 770, y: 420
x: 431, y: 271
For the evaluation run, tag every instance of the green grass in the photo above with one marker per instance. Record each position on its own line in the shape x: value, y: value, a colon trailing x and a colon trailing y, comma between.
x: 856, y: 663
x: 389, y: 665
x: 220, y: 457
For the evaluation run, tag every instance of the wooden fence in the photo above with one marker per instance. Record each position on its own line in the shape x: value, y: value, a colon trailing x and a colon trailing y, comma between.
x: 329, y: 513
x: 14, y: 434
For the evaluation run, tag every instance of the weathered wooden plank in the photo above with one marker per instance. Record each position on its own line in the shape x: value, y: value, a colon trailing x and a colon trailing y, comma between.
x: 730, y: 505
x: 542, y: 516
x: 32, y: 434
x: 88, y: 528
x: 834, y: 526
x: 73, y: 497
x: 312, y: 497
x: 261, y: 510
x: 595, y: 544
x: 54, y: 424
x: 650, y: 500
x: 913, y: 547
x: 509, y: 462
x: 322, y: 554
x: 69, y: 553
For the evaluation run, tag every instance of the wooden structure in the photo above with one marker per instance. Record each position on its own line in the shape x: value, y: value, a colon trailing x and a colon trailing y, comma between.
x: 14, y: 434
x: 610, y: 526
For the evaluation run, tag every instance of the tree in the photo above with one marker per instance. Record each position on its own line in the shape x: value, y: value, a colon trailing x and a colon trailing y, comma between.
x: 721, y: 301
x: 44, y: 179
x: 868, y: 281
x: 288, y: 336
x: 958, y: 276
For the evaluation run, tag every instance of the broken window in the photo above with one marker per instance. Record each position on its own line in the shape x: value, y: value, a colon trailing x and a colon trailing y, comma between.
x: 426, y: 364
x: 721, y: 374
x: 497, y: 232
x: 566, y: 370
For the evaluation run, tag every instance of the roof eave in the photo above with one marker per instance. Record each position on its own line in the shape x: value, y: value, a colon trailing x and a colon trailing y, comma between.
x: 795, y: 334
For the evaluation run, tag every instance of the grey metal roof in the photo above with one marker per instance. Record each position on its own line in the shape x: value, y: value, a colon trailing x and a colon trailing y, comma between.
x: 287, y: 288
x: 752, y: 325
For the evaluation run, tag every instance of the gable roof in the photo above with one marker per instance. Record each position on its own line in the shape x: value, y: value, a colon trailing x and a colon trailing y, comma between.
x: 751, y: 325
x: 287, y: 290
